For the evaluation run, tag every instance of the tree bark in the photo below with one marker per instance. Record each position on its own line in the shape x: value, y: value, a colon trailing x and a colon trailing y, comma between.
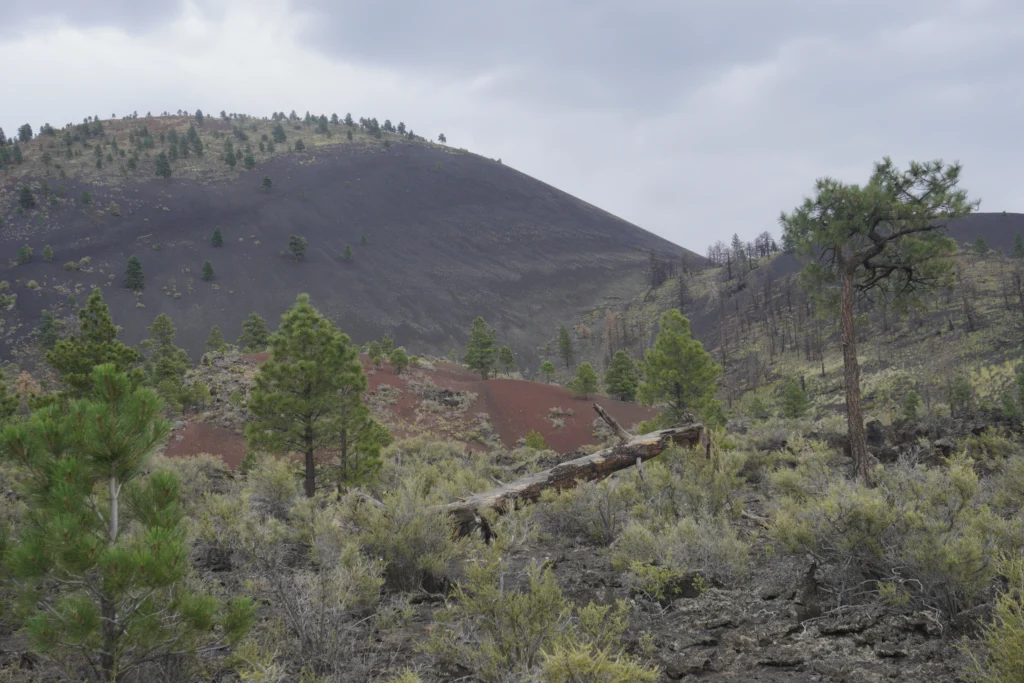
x: 851, y: 375
x: 108, y: 656
x: 310, y: 465
x: 568, y: 474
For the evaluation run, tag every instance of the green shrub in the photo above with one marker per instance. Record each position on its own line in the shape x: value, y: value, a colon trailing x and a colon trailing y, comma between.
x: 418, y: 544
x: 596, y: 510
x: 309, y: 566
x: 535, y: 440
x: 500, y: 634
x: 198, y: 475
x: 685, y: 482
x: 444, y: 470
x: 577, y: 662
x: 708, y: 547
x: 272, y: 488
x: 928, y: 531
x: 1001, y: 658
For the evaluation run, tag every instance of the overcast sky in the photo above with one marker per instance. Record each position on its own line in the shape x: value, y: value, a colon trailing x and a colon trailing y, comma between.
x: 691, y: 118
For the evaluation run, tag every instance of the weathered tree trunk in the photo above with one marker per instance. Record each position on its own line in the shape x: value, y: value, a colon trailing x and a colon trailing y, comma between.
x: 108, y: 656
x: 851, y: 375
x: 310, y: 465
x: 594, y: 467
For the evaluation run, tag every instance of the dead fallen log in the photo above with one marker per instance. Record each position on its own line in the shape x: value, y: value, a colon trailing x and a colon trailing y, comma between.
x: 594, y: 467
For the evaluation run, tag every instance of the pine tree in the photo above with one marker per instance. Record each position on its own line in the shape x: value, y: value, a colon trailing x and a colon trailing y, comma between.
x: 255, y: 336
x: 375, y: 353
x: 399, y: 360
x: 163, y: 166
x: 297, y: 245
x: 363, y: 240
x: 911, y: 404
x: 267, y: 183
x: 166, y: 359
x: 26, y: 199
x: 480, y: 348
x: 980, y: 246
x: 215, y: 341
x: 94, y: 344
x: 249, y: 161
x: 217, y: 240
x: 347, y: 255
x: 852, y: 234
x: 507, y: 359
x: 387, y: 344
x: 24, y: 254
x: 106, y: 575
x: 679, y: 372
x: 585, y: 382
x: 300, y: 146
x: 194, y: 142
x: 794, y: 400
x: 133, y: 277
x: 207, y: 271
x: 47, y: 253
x: 308, y: 395
x: 547, y: 368
x: 621, y: 378
x: 565, y: 350
x: 47, y: 331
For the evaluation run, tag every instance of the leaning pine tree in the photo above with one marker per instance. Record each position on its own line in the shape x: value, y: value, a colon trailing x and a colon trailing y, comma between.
x: 309, y: 391
x: 104, y: 576
x: 884, y: 239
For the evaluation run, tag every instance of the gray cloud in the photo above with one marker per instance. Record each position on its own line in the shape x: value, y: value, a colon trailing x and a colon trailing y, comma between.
x: 694, y: 120
x: 128, y: 14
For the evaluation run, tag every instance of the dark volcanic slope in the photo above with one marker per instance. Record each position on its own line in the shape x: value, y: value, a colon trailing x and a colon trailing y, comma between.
x: 451, y: 236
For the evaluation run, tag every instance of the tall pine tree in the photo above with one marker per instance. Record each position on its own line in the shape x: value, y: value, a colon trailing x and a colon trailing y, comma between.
x: 308, y: 394
x: 217, y: 240
x: 887, y: 238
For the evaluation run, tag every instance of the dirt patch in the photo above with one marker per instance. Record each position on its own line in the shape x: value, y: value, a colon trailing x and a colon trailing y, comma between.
x: 203, y: 437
